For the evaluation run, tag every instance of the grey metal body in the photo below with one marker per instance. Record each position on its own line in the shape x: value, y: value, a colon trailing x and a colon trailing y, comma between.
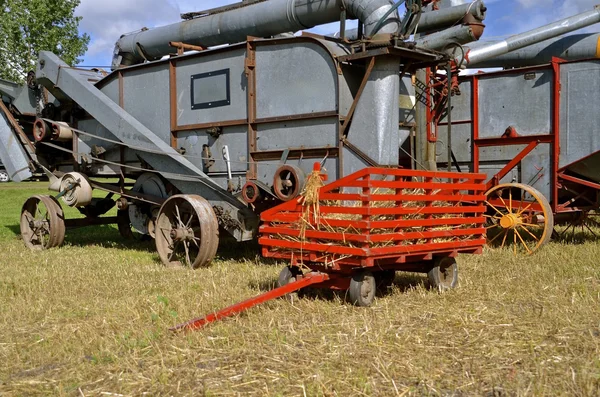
x: 198, y: 104
x: 262, y: 19
x: 570, y: 48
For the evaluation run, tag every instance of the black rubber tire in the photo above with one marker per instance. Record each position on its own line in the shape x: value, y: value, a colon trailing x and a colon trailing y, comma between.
x: 444, y: 274
x: 362, y: 289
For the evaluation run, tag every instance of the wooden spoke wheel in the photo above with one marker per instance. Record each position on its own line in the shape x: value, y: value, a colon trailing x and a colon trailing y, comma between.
x: 518, y: 215
x: 187, y: 232
x: 362, y: 289
x: 42, y: 223
x: 444, y: 274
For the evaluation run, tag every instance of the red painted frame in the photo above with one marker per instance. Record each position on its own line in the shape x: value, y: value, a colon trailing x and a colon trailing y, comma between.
x: 409, y: 240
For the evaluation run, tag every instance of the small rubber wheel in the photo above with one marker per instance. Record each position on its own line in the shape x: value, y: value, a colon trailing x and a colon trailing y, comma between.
x: 288, y: 275
x: 444, y: 274
x: 385, y: 279
x: 362, y: 289
x: 42, y: 223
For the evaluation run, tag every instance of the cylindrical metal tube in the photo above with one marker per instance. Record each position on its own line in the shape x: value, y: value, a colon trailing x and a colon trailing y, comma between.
x: 570, y: 48
x: 461, y: 34
x: 262, y: 19
x: 61, y: 132
x: 482, y: 52
x: 439, y: 19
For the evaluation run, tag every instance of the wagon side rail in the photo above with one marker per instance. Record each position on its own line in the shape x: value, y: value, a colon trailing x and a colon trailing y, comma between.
x: 380, y: 214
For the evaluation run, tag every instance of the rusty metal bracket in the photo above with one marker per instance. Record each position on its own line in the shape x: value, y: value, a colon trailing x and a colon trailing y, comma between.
x: 512, y: 164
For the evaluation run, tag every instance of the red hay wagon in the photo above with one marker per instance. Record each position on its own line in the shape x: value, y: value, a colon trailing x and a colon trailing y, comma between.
x: 359, y: 230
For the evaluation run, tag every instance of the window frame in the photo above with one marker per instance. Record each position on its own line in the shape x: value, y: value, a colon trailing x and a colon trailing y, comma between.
x: 212, y: 104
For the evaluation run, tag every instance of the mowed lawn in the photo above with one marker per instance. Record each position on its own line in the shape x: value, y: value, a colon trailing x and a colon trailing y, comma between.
x: 92, y: 318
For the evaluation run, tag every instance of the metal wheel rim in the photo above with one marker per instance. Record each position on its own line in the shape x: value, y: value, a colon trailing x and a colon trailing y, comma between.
x: 4, y: 177
x: 186, y: 232
x: 515, y: 220
x: 42, y: 223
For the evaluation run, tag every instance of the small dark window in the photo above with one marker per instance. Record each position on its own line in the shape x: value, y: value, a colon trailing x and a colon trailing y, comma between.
x: 211, y: 90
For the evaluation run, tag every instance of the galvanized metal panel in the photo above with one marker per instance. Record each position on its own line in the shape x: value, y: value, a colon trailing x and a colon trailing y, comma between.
x: 146, y: 97
x: 296, y: 78
x: 298, y: 134
x: 235, y: 138
x: 12, y: 154
x: 580, y: 127
x: 461, y: 143
x: 407, y: 101
x: 111, y: 90
x: 186, y: 68
x: 521, y: 99
x: 462, y: 104
x: 375, y: 123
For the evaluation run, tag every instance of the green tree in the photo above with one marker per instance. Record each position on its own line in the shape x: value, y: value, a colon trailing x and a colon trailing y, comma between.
x: 30, y: 26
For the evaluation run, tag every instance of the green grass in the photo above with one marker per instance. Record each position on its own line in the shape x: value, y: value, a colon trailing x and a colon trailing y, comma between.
x: 91, y: 319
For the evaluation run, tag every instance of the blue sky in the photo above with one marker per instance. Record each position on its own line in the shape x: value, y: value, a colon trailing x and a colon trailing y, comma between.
x: 105, y: 21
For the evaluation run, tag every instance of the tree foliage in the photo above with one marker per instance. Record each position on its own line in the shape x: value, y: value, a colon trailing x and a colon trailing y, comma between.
x: 30, y: 26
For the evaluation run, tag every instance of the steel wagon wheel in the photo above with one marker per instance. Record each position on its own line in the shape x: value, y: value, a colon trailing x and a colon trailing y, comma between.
x: 520, y: 215
x: 187, y: 232
x: 42, y: 223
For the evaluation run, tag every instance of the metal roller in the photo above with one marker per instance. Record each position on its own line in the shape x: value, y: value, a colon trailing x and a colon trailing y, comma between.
x: 75, y: 190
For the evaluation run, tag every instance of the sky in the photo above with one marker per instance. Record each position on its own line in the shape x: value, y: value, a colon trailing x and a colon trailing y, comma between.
x: 105, y: 21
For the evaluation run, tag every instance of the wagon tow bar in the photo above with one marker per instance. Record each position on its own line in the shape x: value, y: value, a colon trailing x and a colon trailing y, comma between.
x: 306, y: 280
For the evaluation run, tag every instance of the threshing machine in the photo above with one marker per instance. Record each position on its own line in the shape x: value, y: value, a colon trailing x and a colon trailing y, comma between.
x: 221, y: 118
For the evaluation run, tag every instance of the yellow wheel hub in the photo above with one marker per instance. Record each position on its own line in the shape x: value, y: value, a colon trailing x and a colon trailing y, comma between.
x: 510, y: 221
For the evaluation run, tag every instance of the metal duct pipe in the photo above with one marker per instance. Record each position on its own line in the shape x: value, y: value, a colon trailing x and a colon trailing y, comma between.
x: 440, y: 19
x: 482, y: 52
x: 434, y: 20
x: 570, y: 48
x: 261, y: 19
x: 461, y: 34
